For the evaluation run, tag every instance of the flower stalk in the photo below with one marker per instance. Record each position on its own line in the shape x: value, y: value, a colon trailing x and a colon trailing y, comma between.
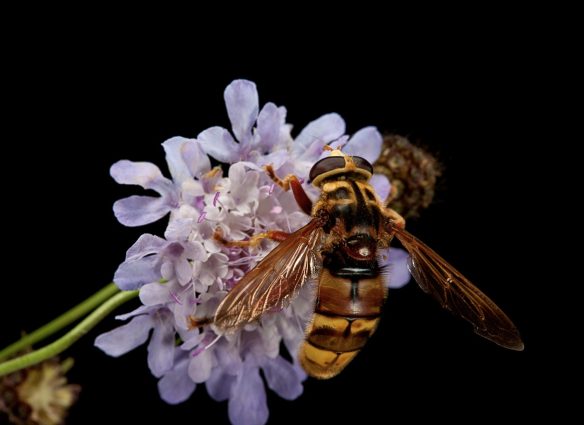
x: 60, y: 345
x: 60, y: 322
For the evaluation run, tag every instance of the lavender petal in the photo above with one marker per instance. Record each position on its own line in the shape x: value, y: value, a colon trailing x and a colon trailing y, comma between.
x: 326, y: 129
x: 146, y: 244
x: 140, y: 210
x: 365, y: 143
x: 161, y: 347
x: 381, y: 185
x: 247, y: 404
x: 282, y: 378
x: 154, y: 294
x: 125, y: 338
x: 195, y: 158
x: 177, y: 166
x: 396, y: 261
x: 268, y: 127
x: 138, y: 173
x: 133, y: 274
x: 219, y: 385
x: 200, y: 366
x: 175, y: 386
x: 218, y: 143
x: 241, y: 99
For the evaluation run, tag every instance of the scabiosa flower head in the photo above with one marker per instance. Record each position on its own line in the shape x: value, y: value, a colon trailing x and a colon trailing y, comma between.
x: 187, y: 273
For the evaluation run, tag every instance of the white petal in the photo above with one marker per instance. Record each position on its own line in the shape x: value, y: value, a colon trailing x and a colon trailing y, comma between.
x: 365, y: 143
x: 125, y: 338
x: 241, y: 99
x: 326, y: 129
x: 218, y: 143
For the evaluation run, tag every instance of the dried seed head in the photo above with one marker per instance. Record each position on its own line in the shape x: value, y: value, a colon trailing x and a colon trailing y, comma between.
x: 38, y: 395
x: 412, y: 172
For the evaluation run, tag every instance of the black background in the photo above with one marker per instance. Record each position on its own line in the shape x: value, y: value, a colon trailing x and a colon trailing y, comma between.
x: 74, y: 112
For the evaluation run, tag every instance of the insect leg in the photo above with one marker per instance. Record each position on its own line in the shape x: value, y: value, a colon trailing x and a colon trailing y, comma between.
x: 394, y: 217
x: 291, y: 181
x: 275, y: 235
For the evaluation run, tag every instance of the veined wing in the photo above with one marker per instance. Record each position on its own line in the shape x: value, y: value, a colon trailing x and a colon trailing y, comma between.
x: 274, y: 281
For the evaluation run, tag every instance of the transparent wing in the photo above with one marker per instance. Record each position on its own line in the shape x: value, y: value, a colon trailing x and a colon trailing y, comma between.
x: 275, y: 280
x: 456, y: 294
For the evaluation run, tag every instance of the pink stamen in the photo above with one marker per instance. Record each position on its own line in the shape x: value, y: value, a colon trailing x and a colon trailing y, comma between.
x: 202, y: 217
x: 175, y: 297
x: 208, y: 341
x: 272, y: 187
x: 216, y: 198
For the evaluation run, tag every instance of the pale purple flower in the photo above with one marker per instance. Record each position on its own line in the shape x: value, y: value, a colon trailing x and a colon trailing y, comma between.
x: 187, y: 273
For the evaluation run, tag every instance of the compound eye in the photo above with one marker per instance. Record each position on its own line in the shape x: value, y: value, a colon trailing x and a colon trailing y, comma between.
x: 327, y: 164
x: 363, y: 164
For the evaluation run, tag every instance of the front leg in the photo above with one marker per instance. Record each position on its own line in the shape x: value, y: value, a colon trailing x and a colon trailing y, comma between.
x: 393, y: 218
x: 275, y: 235
x: 291, y: 181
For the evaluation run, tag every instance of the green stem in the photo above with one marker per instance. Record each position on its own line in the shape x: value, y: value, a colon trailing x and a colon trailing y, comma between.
x: 69, y: 338
x: 60, y: 322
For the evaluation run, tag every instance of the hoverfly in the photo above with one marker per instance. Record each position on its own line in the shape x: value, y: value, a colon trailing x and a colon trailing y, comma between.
x: 339, y: 247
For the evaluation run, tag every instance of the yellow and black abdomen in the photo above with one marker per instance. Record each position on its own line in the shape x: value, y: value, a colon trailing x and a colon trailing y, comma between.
x: 347, y: 312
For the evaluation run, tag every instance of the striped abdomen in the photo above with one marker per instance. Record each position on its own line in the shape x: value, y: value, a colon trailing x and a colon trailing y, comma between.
x: 347, y: 312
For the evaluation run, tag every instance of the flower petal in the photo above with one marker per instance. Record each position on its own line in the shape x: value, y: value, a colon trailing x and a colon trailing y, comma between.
x: 174, y: 158
x: 178, y: 229
x: 145, y: 245
x: 200, y: 366
x: 282, y: 378
x: 365, y: 143
x: 154, y: 294
x: 247, y: 404
x: 176, y: 386
x: 125, y: 338
x: 218, y: 143
x: 268, y: 127
x: 143, y: 309
x: 139, y: 173
x: 132, y: 274
x: 195, y: 158
x: 241, y: 99
x: 139, y: 210
x: 396, y: 261
x: 325, y: 129
x: 219, y: 385
x: 381, y: 185
x: 161, y: 348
